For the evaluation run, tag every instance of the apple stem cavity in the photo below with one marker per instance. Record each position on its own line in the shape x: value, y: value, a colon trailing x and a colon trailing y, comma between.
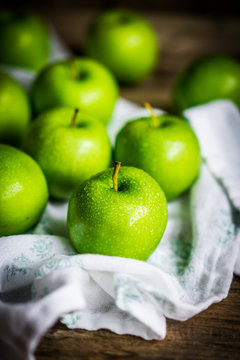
x: 74, y: 68
x: 155, y: 121
x: 74, y: 118
x: 115, y: 174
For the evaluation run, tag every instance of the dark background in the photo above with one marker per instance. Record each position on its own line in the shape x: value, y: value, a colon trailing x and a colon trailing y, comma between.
x: 203, y: 7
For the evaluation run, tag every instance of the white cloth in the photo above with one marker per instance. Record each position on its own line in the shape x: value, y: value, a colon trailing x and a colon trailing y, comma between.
x: 219, y: 135
x: 42, y: 279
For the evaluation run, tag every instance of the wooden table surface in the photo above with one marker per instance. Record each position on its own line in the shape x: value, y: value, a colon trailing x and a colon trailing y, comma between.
x: 215, y: 333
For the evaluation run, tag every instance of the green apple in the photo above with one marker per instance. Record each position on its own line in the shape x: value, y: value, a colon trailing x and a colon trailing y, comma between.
x: 125, y: 42
x: 14, y: 111
x: 81, y: 83
x: 24, y: 40
x: 164, y: 146
x: 207, y: 79
x: 24, y: 193
x: 118, y: 214
x: 69, y: 147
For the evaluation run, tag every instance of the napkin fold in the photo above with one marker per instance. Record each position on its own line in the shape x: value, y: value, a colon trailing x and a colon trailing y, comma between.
x: 43, y: 279
x: 219, y: 136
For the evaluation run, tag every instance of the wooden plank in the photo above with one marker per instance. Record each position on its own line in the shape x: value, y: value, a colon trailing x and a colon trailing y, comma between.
x: 213, y: 334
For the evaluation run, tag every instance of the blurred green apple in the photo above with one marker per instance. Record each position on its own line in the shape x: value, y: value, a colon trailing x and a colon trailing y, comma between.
x: 209, y: 78
x: 69, y: 147
x: 24, y: 193
x: 14, y: 111
x: 125, y: 42
x: 24, y: 40
x: 124, y: 216
x: 81, y: 83
x: 164, y: 146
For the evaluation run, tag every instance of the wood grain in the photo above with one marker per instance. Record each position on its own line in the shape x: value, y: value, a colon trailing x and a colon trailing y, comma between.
x: 213, y: 334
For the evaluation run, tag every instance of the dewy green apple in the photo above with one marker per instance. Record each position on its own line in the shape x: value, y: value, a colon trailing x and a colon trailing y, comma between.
x: 24, y: 193
x: 24, y: 40
x: 118, y: 213
x: 207, y: 79
x: 125, y: 42
x: 164, y: 146
x: 14, y: 111
x: 82, y: 83
x: 70, y: 146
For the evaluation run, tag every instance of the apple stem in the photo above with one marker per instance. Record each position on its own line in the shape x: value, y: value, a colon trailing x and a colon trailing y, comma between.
x: 154, y: 116
x: 74, y: 68
x: 74, y: 118
x: 115, y: 174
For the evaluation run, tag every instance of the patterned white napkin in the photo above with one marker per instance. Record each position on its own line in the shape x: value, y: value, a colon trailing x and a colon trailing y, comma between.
x: 42, y: 279
x: 219, y: 136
